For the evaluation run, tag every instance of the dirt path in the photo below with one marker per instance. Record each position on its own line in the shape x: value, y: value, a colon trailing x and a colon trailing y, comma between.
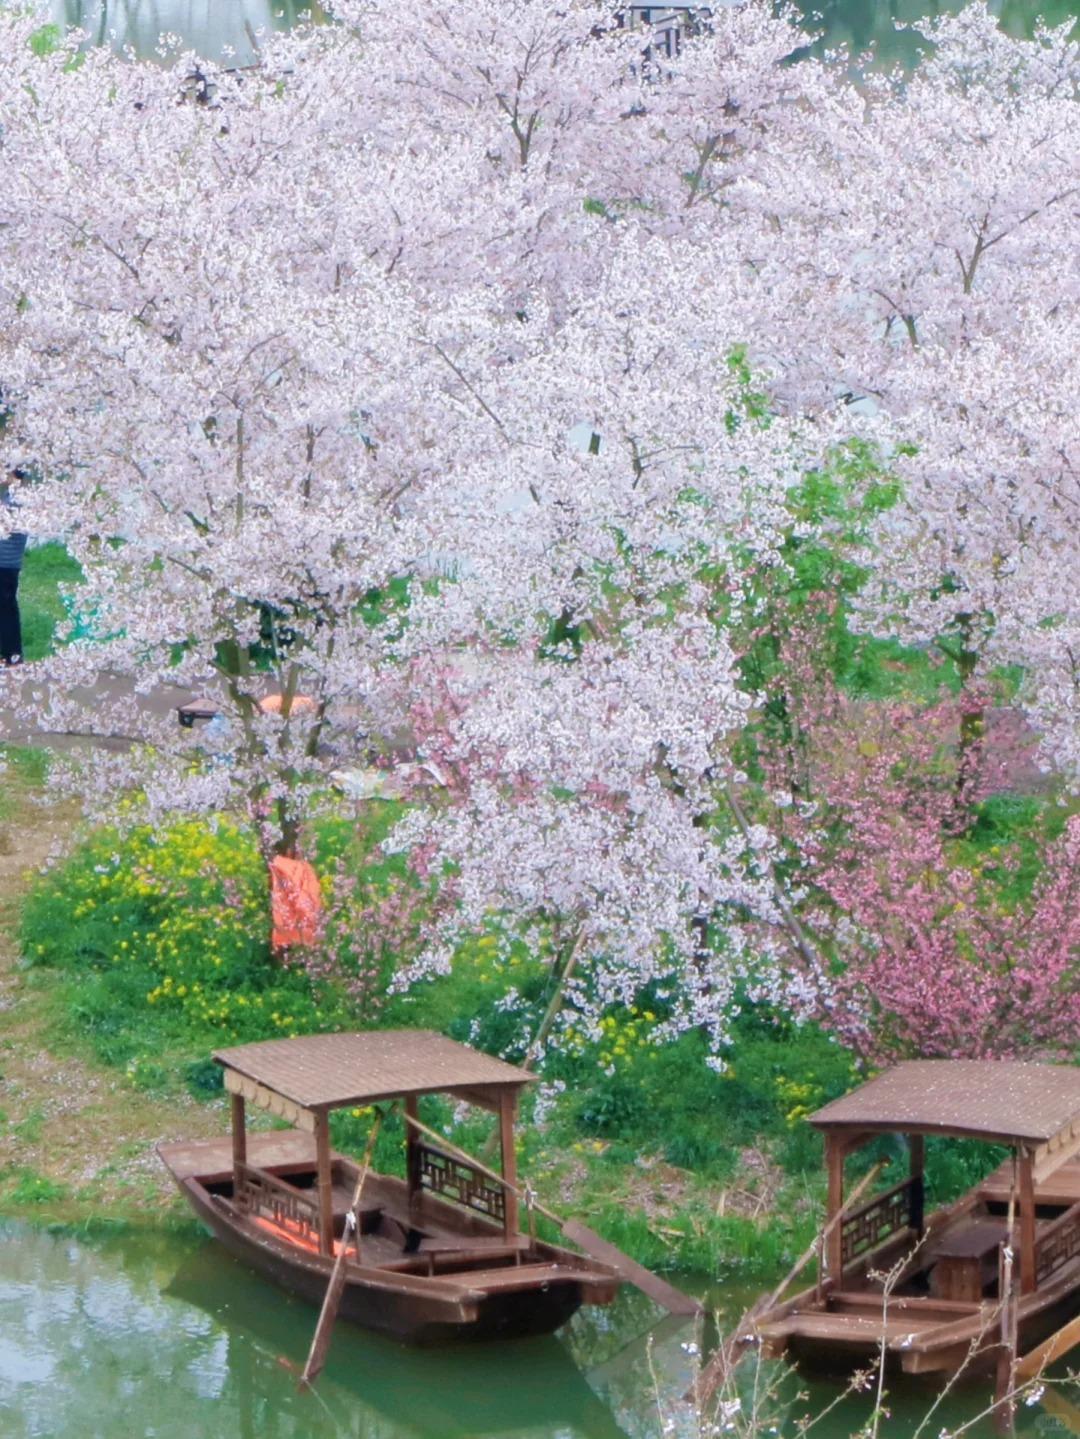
x: 124, y: 715
x: 76, y: 1140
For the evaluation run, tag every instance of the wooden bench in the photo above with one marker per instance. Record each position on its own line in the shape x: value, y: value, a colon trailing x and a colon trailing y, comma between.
x: 917, y: 1304
x: 468, y: 1249
x: 860, y: 1327
x: 524, y: 1276
x: 369, y: 1215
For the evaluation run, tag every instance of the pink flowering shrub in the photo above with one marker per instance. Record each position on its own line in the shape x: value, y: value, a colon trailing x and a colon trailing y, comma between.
x: 937, y: 948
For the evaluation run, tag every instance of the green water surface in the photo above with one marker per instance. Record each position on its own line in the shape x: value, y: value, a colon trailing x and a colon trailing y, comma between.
x: 158, y: 1334
x: 223, y: 29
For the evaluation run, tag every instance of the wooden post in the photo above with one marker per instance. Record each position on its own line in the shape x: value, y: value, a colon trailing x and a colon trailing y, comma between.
x: 412, y: 1153
x: 917, y: 1153
x: 835, y: 1146
x: 507, y: 1114
x: 239, y: 1138
x: 325, y: 1184
x: 1027, y: 1223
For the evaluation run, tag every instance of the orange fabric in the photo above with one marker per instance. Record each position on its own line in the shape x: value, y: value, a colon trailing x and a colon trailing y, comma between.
x: 301, y: 704
x: 292, y: 1236
x: 295, y: 902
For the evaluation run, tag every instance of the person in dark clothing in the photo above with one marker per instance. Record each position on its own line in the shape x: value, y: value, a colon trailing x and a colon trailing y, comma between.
x: 12, y: 548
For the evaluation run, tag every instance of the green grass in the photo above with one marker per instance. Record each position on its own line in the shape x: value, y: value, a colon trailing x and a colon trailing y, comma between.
x: 24, y: 1187
x: 25, y: 764
x: 22, y: 773
x: 45, y: 569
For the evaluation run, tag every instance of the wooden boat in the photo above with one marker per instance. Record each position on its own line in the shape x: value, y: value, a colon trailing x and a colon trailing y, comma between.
x: 439, y: 1255
x: 942, y: 1309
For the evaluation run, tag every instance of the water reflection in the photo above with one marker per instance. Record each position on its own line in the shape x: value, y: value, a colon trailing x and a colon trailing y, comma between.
x: 456, y: 1391
x: 223, y: 29
x: 218, y: 29
x: 151, y: 1334
x: 872, y: 25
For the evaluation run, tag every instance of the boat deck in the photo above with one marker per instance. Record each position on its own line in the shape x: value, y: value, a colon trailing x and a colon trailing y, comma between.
x: 211, y: 1159
x: 1062, y: 1188
x: 390, y: 1238
x: 897, y: 1330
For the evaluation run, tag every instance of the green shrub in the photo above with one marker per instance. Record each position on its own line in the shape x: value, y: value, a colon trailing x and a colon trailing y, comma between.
x: 665, y: 1099
x: 164, y: 937
x: 33, y: 1188
x: 204, y: 1078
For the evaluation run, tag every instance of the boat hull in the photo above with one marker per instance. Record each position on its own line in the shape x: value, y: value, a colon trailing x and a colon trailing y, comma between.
x: 972, y: 1345
x: 411, y: 1310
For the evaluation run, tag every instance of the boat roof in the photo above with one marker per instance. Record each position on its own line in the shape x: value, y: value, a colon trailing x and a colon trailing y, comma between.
x: 329, y: 1071
x: 990, y: 1099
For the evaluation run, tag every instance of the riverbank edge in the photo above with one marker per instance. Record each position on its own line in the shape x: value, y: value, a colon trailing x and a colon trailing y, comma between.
x: 77, y: 1138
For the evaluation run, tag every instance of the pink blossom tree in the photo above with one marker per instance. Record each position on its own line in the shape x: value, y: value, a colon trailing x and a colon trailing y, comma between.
x: 926, y: 946
x: 441, y: 304
x: 929, y: 232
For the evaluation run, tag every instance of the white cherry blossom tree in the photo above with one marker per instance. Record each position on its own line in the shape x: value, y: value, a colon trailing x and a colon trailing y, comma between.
x: 267, y: 381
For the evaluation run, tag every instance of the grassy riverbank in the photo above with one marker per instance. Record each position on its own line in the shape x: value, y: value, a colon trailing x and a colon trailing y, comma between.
x: 77, y: 1133
x: 76, y: 1139
x: 105, y: 1036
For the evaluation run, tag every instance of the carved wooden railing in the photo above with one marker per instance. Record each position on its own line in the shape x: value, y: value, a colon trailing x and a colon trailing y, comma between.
x: 1057, y: 1244
x: 453, y: 1179
x: 883, y: 1215
x: 256, y: 1192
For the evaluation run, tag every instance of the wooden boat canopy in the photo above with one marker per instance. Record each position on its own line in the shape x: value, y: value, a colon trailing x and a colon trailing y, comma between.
x: 433, y: 1254
x: 1033, y: 1108
x: 303, y: 1078
x: 995, y: 1100
x: 316, y: 1073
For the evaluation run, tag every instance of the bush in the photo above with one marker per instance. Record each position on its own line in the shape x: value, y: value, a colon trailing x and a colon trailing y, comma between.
x: 33, y: 1188
x: 165, y: 938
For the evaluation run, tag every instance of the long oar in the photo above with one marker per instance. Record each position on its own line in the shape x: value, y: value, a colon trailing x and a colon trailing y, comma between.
x: 716, y: 1372
x: 580, y: 1234
x: 320, y: 1344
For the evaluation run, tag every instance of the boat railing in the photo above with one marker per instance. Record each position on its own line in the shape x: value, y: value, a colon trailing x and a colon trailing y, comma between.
x: 1057, y: 1244
x: 880, y: 1217
x: 257, y: 1192
x: 450, y: 1178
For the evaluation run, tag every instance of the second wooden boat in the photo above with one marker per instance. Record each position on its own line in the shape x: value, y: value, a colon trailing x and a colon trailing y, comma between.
x: 439, y: 1254
x: 941, y: 1309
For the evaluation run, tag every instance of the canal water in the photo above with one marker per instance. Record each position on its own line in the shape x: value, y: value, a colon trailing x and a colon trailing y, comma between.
x: 223, y: 29
x: 153, y: 1335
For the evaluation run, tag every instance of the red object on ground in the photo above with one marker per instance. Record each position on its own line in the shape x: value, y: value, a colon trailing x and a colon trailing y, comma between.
x: 295, y: 901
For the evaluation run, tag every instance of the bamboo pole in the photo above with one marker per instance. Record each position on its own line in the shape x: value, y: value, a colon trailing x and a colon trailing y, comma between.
x: 1005, y: 1378
x: 320, y: 1344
